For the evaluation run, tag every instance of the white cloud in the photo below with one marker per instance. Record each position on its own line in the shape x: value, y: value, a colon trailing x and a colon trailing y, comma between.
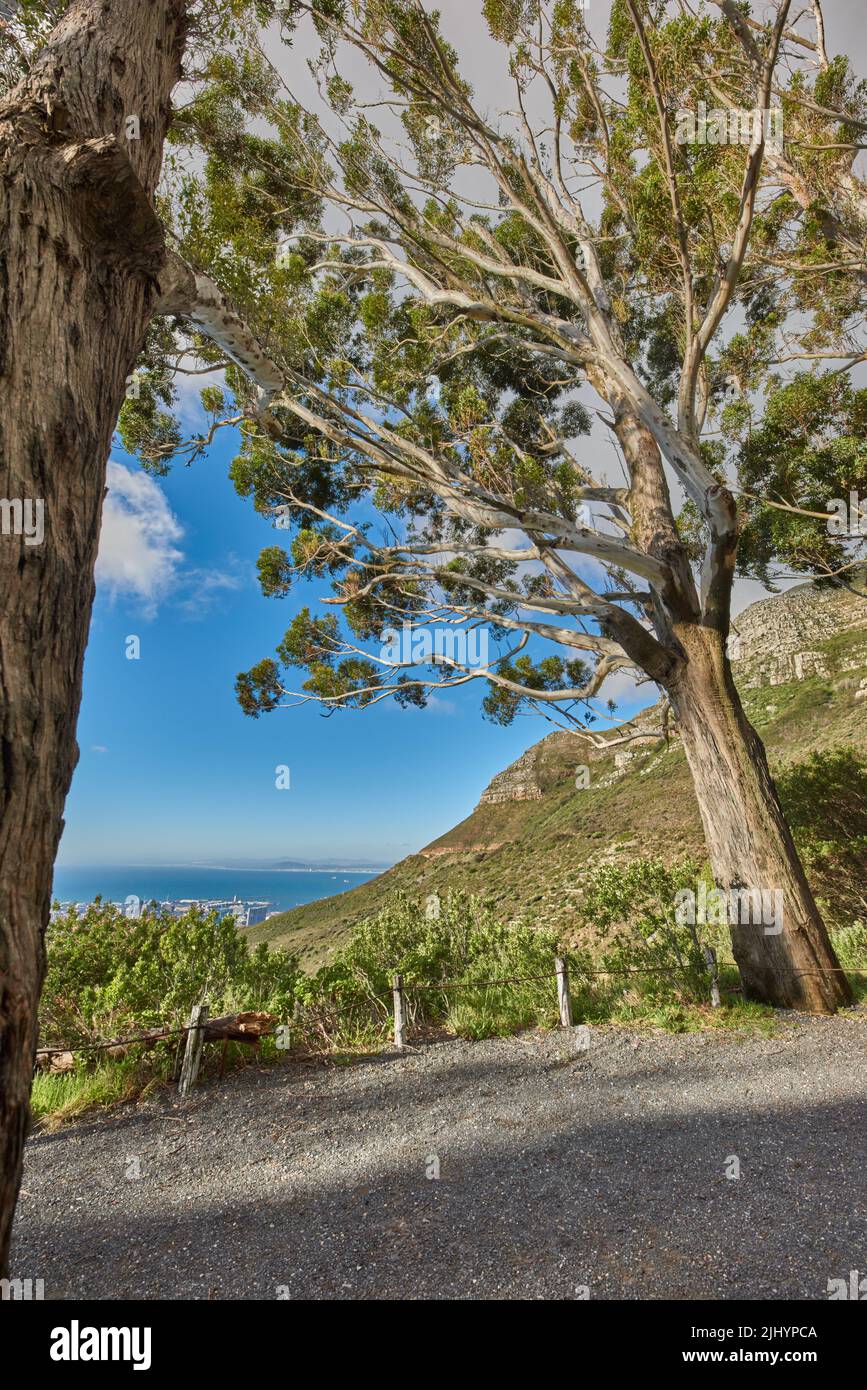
x: 441, y: 706
x: 188, y: 407
x: 204, y: 587
x: 138, y: 553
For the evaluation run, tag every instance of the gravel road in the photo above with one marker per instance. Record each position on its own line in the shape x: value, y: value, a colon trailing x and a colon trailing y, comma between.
x: 560, y: 1171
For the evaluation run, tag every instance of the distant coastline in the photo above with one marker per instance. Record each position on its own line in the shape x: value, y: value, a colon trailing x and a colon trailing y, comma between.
x: 243, y: 866
x: 285, y: 888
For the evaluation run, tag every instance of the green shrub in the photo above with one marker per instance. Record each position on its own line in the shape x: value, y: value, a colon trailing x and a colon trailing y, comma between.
x: 850, y: 944
x: 110, y: 976
x: 652, y: 956
x: 464, y: 947
x: 825, y: 800
x: 464, y: 970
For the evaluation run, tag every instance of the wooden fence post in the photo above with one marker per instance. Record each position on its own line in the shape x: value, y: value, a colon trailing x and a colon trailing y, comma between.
x: 710, y: 960
x: 399, y: 1018
x: 563, y: 996
x: 193, y: 1053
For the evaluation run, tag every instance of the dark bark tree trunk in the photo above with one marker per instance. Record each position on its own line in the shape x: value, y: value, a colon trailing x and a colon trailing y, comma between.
x: 82, y: 249
x: 749, y: 843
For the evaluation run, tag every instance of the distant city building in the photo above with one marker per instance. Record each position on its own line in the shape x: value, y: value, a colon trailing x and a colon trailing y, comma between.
x: 245, y: 912
x: 257, y: 912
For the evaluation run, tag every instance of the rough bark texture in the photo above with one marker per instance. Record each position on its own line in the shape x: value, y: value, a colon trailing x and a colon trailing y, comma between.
x: 82, y: 248
x: 749, y: 843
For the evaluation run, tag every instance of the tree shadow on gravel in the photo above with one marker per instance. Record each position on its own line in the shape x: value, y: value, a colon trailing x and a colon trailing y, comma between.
x: 551, y: 1179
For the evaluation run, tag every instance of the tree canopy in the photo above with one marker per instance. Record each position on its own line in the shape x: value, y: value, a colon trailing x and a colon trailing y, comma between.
x: 448, y: 310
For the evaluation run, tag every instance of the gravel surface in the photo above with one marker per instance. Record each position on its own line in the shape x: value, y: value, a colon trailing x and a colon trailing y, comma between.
x: 559, y: 1168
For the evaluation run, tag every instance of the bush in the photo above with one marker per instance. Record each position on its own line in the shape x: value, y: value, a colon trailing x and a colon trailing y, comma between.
x: 466, y: 946
x: 850, y: 943
x: 825, y: 800
x: 110, y: 975
x: 464, y: 971
x: 654, y: 960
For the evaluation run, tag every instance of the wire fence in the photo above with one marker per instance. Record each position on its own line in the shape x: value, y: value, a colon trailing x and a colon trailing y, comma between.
x: 250, y: 1028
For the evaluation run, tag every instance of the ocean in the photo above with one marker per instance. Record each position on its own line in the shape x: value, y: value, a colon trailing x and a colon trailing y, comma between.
x: 283, y: 889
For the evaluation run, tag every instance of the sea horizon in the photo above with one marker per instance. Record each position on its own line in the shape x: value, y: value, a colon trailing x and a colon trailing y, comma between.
x: 282, y: 888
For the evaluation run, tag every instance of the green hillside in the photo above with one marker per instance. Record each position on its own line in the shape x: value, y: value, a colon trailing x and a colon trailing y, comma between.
x: 528, y: 856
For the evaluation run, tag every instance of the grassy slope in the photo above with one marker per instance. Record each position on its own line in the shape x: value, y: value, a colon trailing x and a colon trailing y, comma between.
x: 527, y: 857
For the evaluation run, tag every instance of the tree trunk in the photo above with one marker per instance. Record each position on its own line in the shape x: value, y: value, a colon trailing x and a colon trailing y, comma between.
x: 780, y: 942
x: 77, y: 285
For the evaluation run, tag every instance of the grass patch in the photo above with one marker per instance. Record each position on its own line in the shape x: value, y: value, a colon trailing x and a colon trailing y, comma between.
x: 742, y: 1018
x: 58, y: 1098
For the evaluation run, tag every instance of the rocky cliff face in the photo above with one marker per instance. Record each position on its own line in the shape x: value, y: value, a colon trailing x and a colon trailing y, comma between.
x: 519, y: 782
x: 773, y: 642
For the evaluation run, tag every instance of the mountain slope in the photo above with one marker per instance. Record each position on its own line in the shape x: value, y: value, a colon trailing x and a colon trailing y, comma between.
x: 802, y: 670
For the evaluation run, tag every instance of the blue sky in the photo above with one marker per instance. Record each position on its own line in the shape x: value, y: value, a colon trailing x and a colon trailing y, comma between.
x: 171, y: 771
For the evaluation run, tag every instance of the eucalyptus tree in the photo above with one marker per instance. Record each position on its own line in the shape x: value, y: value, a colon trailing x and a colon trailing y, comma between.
x: 82, y: 250
x: 806, y: 446
x: 421, y: 315
x: 86, y: 102
x: 437, y: 306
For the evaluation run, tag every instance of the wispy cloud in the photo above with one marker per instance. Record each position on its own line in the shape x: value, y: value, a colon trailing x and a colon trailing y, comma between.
x: 622, y: 687
x: 204, y: 588
x: 138, y: 552
x: 441, y: 705
x: 140, y: 555
x: 188, y: 406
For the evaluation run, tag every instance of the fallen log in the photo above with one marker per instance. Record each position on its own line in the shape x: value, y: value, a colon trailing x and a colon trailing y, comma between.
x: 245, y: 1028
x: 55, y: 1061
